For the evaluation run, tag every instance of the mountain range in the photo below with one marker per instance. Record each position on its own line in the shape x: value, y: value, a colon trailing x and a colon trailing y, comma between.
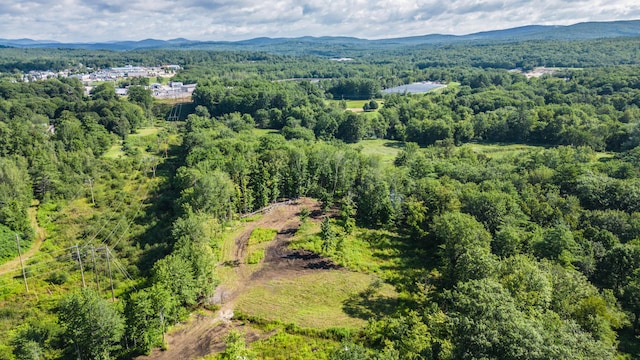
x: 580, y: 31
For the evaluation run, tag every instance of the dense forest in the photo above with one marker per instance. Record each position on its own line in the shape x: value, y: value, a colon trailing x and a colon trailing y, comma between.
x: 496, y: 217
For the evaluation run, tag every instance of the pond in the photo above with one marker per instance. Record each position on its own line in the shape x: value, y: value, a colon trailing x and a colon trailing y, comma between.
x: 414, y: 88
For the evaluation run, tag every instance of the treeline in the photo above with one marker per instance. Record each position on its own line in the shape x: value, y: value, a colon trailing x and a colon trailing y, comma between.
x: 529, y: 54
x: 391, y: 65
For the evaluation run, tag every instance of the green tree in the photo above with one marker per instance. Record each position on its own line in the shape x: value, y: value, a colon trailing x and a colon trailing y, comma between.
x: 466, y: 246
x: 15, y: 195
x: 91, y: 324
x: 327, y: 235
x: 347, y: 214
x: 212, y: 193
x: 353, y: 128
x: 373, y: 199
x: 631, y: 297
x: 35, y: 339
x: 557, y: 244
x: 406, y: 335
x: 141, y: 96
x: 176, y: 274
x: 236, y: 348
x: 143, y: 323
x: 487, y: 325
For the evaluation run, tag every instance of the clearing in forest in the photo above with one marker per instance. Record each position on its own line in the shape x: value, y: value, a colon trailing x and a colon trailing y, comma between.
x: 291, y: 286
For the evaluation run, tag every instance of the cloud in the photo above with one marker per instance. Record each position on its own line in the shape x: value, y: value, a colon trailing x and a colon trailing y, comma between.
x: 103, y: 20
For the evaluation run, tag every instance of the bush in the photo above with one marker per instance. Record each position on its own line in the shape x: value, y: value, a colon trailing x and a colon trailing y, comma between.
x: 255, y: 257
x: 304, y: 213
x: 58, y: 278
x: 261, y: 235
x: 8, y: 249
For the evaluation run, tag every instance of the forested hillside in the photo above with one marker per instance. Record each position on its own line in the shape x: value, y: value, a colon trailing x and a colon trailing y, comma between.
x: 297, y: 213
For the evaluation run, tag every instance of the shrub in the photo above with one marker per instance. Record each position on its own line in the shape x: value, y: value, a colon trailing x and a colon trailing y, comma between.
x: 255, y: 257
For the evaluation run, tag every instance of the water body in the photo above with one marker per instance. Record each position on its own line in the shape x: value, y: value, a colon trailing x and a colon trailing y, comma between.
x: 414, y: 88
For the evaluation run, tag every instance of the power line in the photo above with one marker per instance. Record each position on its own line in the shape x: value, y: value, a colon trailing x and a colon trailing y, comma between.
x: 57, y: 258
x: 30, y: 265
x: 21, y: 264
x: 66, y: 261
x: 137, y: 192
x: 113, y: 214
x: 133, y: 218
x: 123, y: 270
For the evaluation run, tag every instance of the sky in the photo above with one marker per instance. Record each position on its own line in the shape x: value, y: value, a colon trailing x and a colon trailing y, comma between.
x: 106, y: 20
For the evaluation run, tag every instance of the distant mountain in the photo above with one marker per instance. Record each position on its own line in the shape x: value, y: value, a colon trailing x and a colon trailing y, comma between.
x: 316, y: 45
x: 580, y: 31
x: 26, y: 42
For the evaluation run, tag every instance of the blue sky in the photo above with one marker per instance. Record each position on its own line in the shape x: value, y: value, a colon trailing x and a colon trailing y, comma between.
x: 104, y: 20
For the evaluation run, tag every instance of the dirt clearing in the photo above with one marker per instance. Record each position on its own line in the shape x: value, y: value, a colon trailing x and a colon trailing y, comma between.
x: 205, y: 332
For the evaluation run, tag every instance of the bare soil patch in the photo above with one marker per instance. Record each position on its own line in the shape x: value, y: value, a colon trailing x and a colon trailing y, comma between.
x: 203, y: 334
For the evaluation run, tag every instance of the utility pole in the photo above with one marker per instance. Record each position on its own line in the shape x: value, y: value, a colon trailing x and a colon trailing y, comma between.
x: 84, y: 285
x: 95, y: 268
x: 113, y: 296
x: 24, y: 275
x: 93, y: 200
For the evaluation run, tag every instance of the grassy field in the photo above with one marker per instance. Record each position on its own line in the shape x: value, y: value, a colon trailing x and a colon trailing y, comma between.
x: 137, y: 139
x: 146, y: 131
x: 358, y: 104
x: 369, y: 251
x: 498, y: 151
x: 305, y: 300
x: 115, y: 151
x: 226, y: 246
x: 258, y: 242
x: 387, y: 150
x: 255, y: 257
x: 284, y: 346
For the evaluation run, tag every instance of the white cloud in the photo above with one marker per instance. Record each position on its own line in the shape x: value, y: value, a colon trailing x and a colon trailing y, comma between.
x: 103, y: 20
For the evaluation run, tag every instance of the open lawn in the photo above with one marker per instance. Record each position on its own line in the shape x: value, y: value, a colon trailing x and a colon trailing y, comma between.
x: 115, y: 151
x: 137, y: 141
x: 146, y: 131
x: 358, y: 104
x: 387, y: 150
x: 319, y: 300
x: 368, y: 251
x: 497, y: 151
